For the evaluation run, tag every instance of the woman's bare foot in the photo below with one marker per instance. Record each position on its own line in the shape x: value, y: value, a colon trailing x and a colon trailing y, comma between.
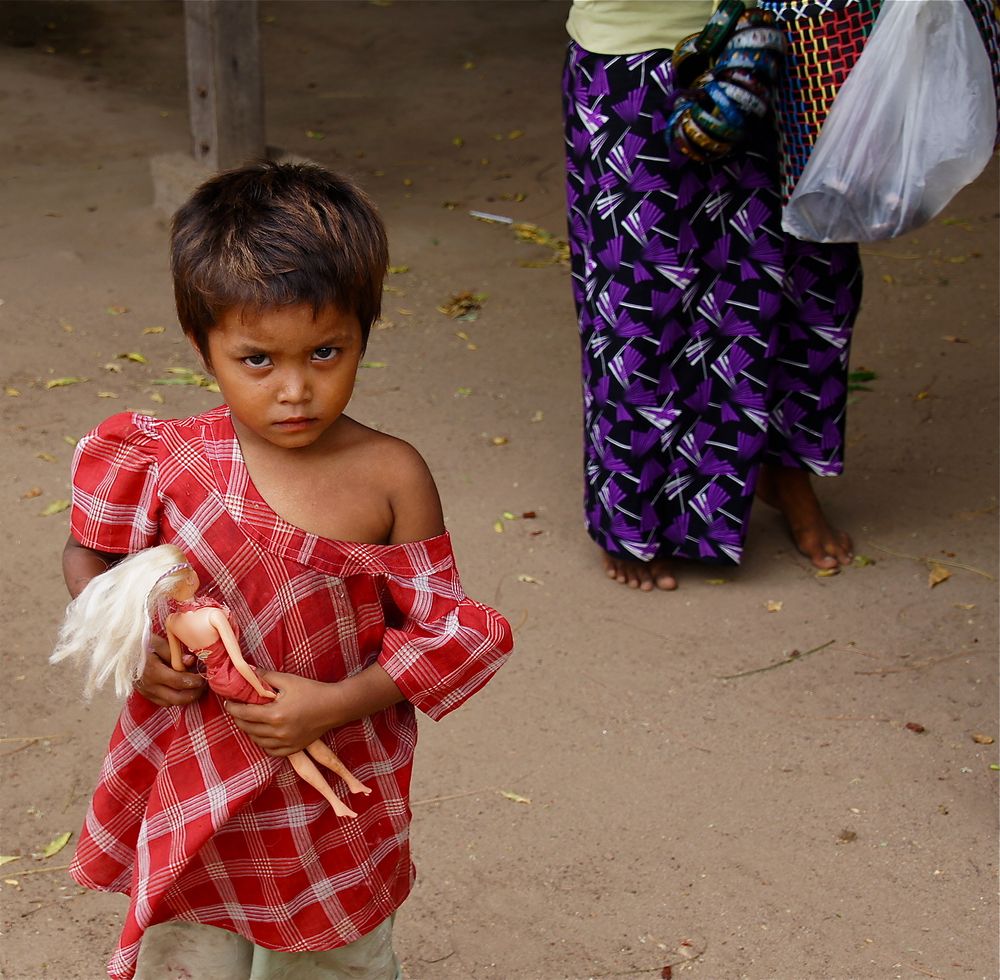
x: 642, y: 575
x: 791, y: 492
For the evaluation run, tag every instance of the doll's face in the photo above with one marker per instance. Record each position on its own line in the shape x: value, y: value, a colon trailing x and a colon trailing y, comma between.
x: 186, y: 586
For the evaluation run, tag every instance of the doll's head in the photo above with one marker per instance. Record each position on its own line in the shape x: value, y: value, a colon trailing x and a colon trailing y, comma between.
x: 107, y: 626
x: 271, y: 235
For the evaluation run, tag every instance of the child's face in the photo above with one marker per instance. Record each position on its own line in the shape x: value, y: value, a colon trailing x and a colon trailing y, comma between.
x: 286, y: 375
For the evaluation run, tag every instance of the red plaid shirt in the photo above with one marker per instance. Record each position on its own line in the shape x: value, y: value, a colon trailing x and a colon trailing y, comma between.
x: 190, y: 818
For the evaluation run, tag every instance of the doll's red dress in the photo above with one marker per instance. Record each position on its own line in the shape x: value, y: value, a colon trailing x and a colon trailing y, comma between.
x: 216, y: 664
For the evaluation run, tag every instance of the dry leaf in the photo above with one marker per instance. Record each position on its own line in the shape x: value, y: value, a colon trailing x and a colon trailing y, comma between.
x: 106, y: 394
x: 915, y: 726
x: 529, y: 579
x: 133, y: 356
x: 513, y: 797
x: 498, y: 527
x: 315, y: 134
x: 982, y: 739
x: 56, y: 845
x: 117, y: 310
x: 185, y: 376
x: 45, y: 457
x: 537, y: 417
x: 463, y: 306
x: 527, y: 232
x: 32, y: 493
x: 373, y: 364
x: 63, y: 382
x: 71, y: 441
x: 499, y: 440
x: 7, y: 858
x: 147, y: 330
x: 156, y: 397
x: 937, y: 574
x: 828, y: 572
x: 56, y: 507
x: 715, y: 581
x: 863, y: 561
x: 113, y: 368
x: 965, y: 605
x: 397, y: 270
x: 774, y: 605
x: 954, y: 340
x: 12, y: 392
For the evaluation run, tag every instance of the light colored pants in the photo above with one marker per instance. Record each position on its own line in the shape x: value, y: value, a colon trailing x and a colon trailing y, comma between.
x: 190, y: 951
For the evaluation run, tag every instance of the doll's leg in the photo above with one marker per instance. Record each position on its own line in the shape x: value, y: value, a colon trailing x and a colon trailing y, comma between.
x: 306, y: 768
x: 324, y: 755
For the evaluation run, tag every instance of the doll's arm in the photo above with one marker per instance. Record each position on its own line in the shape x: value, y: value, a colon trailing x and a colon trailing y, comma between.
x: 176, y: 648
x: 221, y: 622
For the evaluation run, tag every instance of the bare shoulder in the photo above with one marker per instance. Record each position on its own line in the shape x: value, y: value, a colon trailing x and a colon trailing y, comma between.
x: 407, y: 483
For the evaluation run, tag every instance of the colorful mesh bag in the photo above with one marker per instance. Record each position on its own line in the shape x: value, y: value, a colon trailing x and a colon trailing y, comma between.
x: 986, y: 14
x: 823, y: 40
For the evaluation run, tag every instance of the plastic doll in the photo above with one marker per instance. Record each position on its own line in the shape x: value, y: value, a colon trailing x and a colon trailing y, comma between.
x: 108, y: 629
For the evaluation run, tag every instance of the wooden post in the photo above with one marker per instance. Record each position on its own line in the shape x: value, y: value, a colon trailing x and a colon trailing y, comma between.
x: 225, y: 85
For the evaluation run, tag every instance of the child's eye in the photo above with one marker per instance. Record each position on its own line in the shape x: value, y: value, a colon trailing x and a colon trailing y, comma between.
x: 257, y: 360
x: 325, y: 353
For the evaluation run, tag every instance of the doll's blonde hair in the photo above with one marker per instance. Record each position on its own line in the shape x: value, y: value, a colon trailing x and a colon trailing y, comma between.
x: 107, y: 626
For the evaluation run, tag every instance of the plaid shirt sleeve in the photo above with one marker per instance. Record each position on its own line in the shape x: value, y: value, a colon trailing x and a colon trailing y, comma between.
x: 446, y: 646
x: 115, y: 503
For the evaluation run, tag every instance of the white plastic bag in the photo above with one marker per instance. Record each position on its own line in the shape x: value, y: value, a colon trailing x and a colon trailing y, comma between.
x: 914, y: 122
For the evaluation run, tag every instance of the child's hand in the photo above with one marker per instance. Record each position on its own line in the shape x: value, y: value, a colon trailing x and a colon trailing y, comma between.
x: 303, y: 711
x: 163, y: 685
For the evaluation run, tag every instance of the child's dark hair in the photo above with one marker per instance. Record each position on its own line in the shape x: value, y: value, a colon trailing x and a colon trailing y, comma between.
x: 269, y: 235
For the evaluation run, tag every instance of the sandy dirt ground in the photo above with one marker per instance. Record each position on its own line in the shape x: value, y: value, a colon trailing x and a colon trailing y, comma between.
x: 653, y: 780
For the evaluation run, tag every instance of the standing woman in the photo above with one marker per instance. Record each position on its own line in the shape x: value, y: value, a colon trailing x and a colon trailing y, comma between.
x: 715, y: 347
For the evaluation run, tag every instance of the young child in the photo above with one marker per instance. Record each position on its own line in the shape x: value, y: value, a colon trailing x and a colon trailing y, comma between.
x: 326, y: 541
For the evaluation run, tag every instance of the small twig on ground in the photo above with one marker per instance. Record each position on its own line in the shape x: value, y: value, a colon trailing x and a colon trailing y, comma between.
x: 471, y: 792
x: 781, y: 663
x: 38, y: 871
x: 926, y: 973
x: 524, y: 618
x: 28, y: 741
x: 440, y: 959
x: 453, y: 796
x: 658, y: 970
x: 30, y: 738
x: 927, y: 560
x: 919, y: 665
x: 835, y: 717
